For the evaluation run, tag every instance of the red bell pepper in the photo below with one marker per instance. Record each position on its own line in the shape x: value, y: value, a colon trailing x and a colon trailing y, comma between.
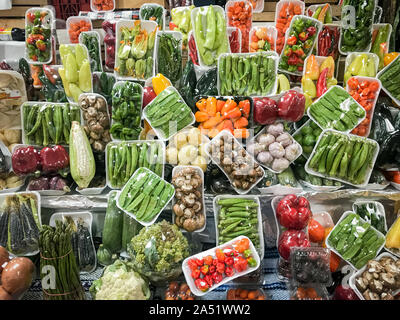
x: 291, y: 106
x: 25, y: 160
x: 289, y: 239
x: 208, y: 260
x: 192, y: 264
x: 196, y: 274
x: 212, y: 269
x: 291, y: 41
x: 54, y: 158
x: 220, y: 267
x: 321, y: 83
x: 204, y: 269
x: 293, y: 212
x: 202, y: 285
x: 229, y: 261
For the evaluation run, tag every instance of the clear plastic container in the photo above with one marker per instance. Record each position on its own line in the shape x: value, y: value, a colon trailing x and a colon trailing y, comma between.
x: 320, y: 188
x: 344, y: 107
x: 129, y: 142
x: 260, y: 229
x: 348, y: 18
x: 279, y: 189
x: 270, y: 54
x: 178, y: 169
x: 298, y: 131
x: 318, y: 26
x: 95, y: 9
x: 227, y: 136
x: 379, y: 210
x: 203, y: 11
x: 271, y: 33
x: 47, y: 24
x: 324, y: 218
x: 350, y: 58
x: 160, y: 133
x: 311, y: 9
x: 293, y: 142
x: 351, y: 137
x: 230, y: 30
x: 38, y: 220
x: 81, y: 216
x: 245, y: 35
x: 330, y: 27
x: 96, y: 34
x: 72, y: 20
x: 371, y: 111
x: 320, y: 60
x: 309, y: 292
x: 122, y: 84
x: 377, y: 26
x: 344, y: 215
x: 145, y: 171
x: 356, y: 275
x: 187, y: 272
x: 149, y: 26
x: 397, y: 101
x: 154, y: 5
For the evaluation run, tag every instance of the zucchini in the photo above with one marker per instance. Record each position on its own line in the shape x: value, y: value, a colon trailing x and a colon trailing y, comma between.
x: 113, y: 222
x: 82, y: 164
x: 130, y: 229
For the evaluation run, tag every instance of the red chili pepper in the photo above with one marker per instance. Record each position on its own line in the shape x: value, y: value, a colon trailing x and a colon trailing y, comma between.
x: 215, y: 262
x: 217, y: 277
x: 221, y: 267
x: 204, y: 269
x: 199, y: 262
x: 291, y: 41
x: 201, y: 284
x: 229, y: 261
x: 321, y: 83
x: 196, y: 274
x: 229, y: 272
x: 208, y: 260
x: 54, y: 159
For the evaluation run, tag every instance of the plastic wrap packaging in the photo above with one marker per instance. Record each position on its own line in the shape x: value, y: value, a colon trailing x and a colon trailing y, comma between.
x: 103, y: 83
x: 81, y: 238
x: 262, y: 39
x: 343, y: 157
x: 240, y: 74
x: 52, y: 86
x: 356, y: 32
x: 127, y: 99
x: 139, y: 154
x: 235, y: 39
x: 135, y: 59
x: 361, y: 64
x: 91, y: 39
x: 181, y: 21
x: 336, y: 109
x: 47, y: 123
x: 211, y: 38
x: 307, y: 136
x: 76, y: 25
x: 389, y: 79
x: 38, y: 24
x: 157, y: 252
x: 239, y: 14
x: 246, y: 292
x: 153, y: 12
x: 169, y: 55
x: 328, y: 41
x: 20, y: 211
x: 274, y: 148
x: 109, y: 44
x: 300, y: 40
x: 309, y: 292
x: 372, y: 212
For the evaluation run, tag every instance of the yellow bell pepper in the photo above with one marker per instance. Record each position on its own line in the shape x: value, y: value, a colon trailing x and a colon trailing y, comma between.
x: 160, y: 83
x: 389, y: 57
x: 308, y: 87
x: 393, y: 236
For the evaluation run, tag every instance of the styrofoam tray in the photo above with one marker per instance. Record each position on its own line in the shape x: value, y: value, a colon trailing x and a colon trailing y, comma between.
x: 229, y: 134
x: 351, y: 136
x: 96, y: 34
x: 376, y: 96
x: 108, y: 182
x: 199, y: 10
x: 230, y: 30
x: 176, y: 34
x: 323, y: 96
x: 160, y: 134
x: 318, y: 26
x: 187, y: 272
x: 352, y: 280
x: 342, y: 28
x: 74, y: 19
x: 149, y: 26
x: 320, y: 60
x: 259, y: 217
x: 379, y: 206
x: 397, y: 101
x: 148, y: 172
x: 120, y: 84
x: 350, y: 58
x: 49, y: 24
x: 87, y: 217
x: 272, y: 54
x: 394, y: 252
x: 153, y: 5
x: 93, y: 7
x: 39, y: 217
x: 271, y: 31
x: 344, y: 215
x: 177, y: 169
x: 262, y: 131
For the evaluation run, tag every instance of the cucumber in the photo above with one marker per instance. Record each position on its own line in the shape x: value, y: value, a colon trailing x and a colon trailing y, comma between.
x: 112, y: 230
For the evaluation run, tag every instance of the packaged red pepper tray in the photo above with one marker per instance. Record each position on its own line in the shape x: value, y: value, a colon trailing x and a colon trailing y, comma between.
x: 239, y: 14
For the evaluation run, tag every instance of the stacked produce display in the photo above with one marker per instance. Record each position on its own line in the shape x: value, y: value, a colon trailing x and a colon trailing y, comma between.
x: 203, y: 155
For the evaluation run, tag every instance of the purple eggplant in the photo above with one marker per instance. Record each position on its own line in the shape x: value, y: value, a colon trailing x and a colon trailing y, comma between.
x: 58, y: 183
x: 41, y: 183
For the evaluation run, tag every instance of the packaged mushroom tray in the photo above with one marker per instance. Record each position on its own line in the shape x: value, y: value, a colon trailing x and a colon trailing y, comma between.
x: 274, y: 148
x: 188, y: 208
x: 239, y: 166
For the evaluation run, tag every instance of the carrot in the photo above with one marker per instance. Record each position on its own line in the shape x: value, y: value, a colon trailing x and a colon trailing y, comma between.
x: 220, y: 104
x: 232, y: 113
x: 281, y: 20
x: 211, y: 106
x: 280, y: 25
x: 297, y: 9
x: 241, y: 133
x: 201, y: 105
x: 241, y: 123
x: 201, y: 116
x: 229, y: 105
x: 220, y: 126
x: 244, y: 106
x: 212, y: 122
